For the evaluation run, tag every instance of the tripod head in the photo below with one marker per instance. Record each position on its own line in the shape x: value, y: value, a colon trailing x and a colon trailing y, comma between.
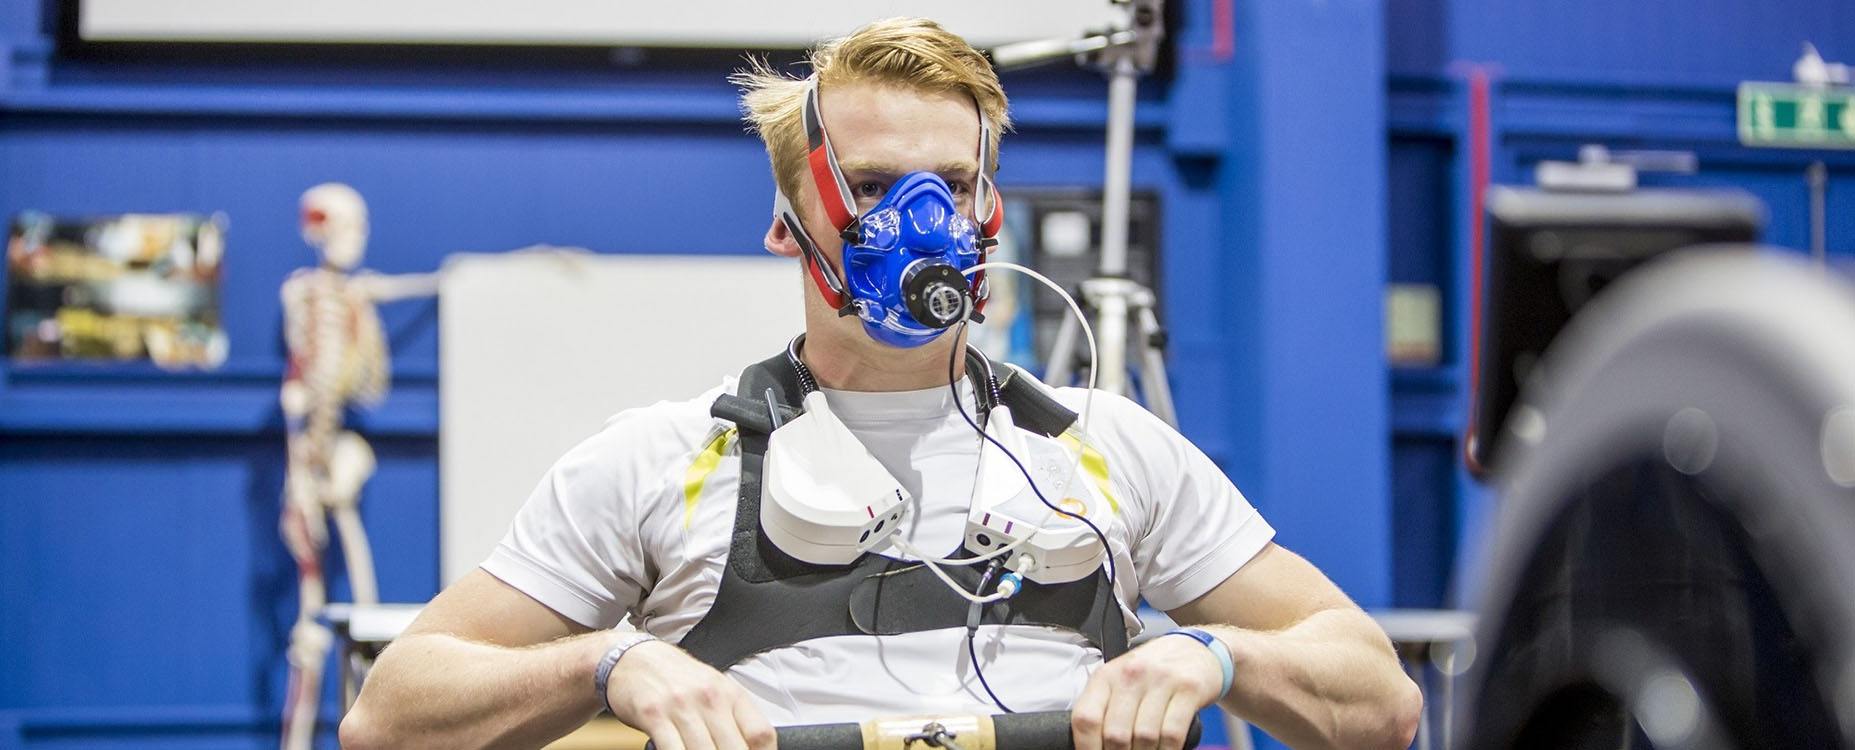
x: 1135, y: 36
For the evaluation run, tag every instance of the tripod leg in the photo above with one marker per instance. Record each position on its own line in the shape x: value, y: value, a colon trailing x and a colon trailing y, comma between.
x: 1058, y: 368
x: 1154, y: 386
x: 1111, y: 340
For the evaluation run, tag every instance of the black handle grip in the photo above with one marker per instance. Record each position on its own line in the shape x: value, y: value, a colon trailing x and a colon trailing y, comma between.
x: 1042, y: 730
x: 813, y: 737
x: 821, y: 737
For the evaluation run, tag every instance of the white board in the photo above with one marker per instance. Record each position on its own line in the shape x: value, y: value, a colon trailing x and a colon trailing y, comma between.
x: 683, y: 23
x: 538, y: 348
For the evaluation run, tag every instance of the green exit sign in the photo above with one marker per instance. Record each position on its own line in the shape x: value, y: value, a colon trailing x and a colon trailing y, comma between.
x: 1790, y: 116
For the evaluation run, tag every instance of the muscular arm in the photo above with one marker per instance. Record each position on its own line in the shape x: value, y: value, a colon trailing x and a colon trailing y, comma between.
x: 487, y: 666
x: 1312, y: 669
x: 484, y: 665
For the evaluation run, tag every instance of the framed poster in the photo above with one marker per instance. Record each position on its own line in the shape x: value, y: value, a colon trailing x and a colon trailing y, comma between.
x: 117, y: 288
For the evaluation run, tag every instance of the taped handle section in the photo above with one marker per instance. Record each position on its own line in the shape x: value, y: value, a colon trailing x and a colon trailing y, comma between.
x: 1042, y: 730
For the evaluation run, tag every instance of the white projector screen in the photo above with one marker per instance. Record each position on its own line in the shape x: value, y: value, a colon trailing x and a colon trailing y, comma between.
x: 538, y: 348
x: 682, y: 23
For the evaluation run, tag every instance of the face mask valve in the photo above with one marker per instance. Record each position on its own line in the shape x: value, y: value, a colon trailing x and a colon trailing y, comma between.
x: 935, y: 294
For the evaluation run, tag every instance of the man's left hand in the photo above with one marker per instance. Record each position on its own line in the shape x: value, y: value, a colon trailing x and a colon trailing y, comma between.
x: 1145, y: 700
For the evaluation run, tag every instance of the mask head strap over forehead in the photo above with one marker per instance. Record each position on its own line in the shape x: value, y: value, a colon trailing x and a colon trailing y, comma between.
x: 840, y: 205
x: 988, y: 211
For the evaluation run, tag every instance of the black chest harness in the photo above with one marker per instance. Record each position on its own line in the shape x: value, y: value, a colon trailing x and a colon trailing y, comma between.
x: 769, y: 599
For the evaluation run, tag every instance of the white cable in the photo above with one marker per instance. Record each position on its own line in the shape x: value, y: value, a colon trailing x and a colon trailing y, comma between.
x: 909, y: 549
x: 1088, y: 333
x: 1088, y: 399
x: 965, y: 561
x: 934, y: 563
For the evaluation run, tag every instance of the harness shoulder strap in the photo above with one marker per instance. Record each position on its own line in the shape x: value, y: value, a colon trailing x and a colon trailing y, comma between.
x: 1032, y: 406
x: 750, y: 554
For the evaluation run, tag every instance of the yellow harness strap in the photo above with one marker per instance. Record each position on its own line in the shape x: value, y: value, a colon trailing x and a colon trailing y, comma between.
x: 699, y: 470
x: 1095, y: 465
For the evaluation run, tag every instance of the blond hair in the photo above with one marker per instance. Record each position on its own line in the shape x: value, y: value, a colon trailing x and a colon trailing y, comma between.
x: 910, y: 52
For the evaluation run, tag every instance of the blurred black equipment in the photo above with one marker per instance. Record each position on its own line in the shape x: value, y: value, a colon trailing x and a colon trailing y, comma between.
x: 1671, y: 567
x: 1553, y: 247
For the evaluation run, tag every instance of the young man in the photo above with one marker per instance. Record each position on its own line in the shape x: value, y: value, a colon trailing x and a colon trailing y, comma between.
x: 639, y: 521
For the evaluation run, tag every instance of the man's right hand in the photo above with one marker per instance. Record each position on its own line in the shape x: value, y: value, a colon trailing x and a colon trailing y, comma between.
x: 684, y: 704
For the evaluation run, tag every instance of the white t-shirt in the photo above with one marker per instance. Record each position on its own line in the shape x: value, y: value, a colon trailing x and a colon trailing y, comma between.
x: 634, y: 525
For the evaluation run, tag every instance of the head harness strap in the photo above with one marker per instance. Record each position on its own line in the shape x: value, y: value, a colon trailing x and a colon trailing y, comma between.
x: 829, y: 285
x: 839, y: 205
x: 989, y: 211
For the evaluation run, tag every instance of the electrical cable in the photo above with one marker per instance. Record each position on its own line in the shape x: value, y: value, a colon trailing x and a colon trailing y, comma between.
x: 979, y: 602
x: 911, y: 551
x: 1088, y: 397
x: 1088, y: 332
x: 953, y: 380
x: 961, y: 562
x: 972, y: 630
x: 808, y: 383
x: 1075, y: 470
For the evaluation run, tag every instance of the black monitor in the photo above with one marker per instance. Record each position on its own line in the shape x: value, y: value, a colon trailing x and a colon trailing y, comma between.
x: 1550, y: 251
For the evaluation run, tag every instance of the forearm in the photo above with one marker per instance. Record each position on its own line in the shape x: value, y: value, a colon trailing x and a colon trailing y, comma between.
x: 436, y: 690
x: 1330, y: 681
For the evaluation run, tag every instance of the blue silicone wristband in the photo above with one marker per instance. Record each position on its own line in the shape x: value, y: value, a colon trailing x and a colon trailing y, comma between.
x: 1218, y: 649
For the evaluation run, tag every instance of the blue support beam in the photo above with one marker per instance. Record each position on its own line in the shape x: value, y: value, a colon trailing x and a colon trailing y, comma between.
x: 1303, y: 190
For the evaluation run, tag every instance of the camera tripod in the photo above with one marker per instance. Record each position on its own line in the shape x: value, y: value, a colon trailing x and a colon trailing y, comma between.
x: 1118, y: 302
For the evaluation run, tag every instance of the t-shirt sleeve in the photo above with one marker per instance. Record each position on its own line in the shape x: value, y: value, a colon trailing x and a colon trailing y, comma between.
x: 574, y: 546
x: 1194, y: 528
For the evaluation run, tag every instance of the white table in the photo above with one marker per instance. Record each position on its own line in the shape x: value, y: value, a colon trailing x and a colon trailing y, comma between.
x: 1436, y: 646
x: 363, y: 630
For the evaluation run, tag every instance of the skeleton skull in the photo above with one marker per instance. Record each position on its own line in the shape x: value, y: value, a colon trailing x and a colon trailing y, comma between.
x: 335, y: 222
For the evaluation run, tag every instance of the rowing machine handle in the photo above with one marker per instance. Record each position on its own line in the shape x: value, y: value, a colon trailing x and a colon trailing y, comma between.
x: 1046, y: 730
x: 1042, y: 730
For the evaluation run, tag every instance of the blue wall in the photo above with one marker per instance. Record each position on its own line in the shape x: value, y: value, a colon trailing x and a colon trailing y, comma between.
x: 144, y: 597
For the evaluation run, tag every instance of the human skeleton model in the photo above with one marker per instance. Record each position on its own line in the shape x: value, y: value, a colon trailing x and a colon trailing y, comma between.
x: 338, y: 358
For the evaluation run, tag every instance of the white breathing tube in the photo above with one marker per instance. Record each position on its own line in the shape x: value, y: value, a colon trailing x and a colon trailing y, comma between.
x: 1010, y: 583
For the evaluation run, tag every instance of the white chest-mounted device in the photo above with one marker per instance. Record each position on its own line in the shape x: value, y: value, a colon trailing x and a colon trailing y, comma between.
x: 1051, y: 546
x: 826, y: 500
